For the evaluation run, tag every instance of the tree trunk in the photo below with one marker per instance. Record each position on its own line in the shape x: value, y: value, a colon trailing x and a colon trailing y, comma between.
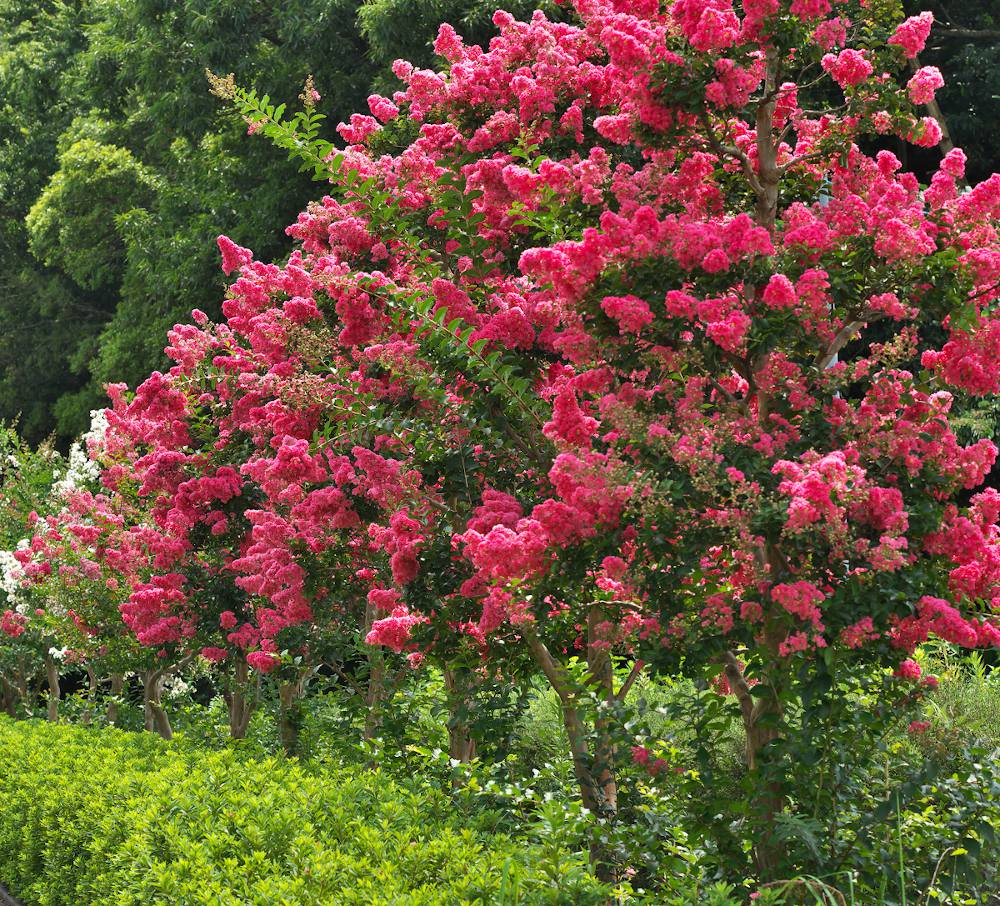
x: 768, y: 175
x: 117, y: 687
x: 242, y: 701
x: 52, y: 675
x: 375, y: 692
x: 22, y: 684
x: 458, y: 683
x: 8, y: 697
x: 157, y: 719
x: 88, y: 714
x: 602, y: 673
x: 761, y: 715
x: 374, y: 695
x: 594, y: 782
x: 599, y: 662
x: 290, y: 713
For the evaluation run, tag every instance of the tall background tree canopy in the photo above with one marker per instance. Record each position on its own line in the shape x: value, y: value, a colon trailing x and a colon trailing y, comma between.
x: 118, y: 170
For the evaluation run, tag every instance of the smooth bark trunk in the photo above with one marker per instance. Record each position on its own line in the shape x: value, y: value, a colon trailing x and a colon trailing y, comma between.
x: 768, y: 175
x: 459, y: 684
x: 241, y: 700
x: 290, y: 713
x: 117, y: 687
x: 602, y: 675
x: 157, y: 719
x: 8, y: 697
x: 761, y: 717
x: 593, y: 771
x: 374, y: 695
x: 761, y: 714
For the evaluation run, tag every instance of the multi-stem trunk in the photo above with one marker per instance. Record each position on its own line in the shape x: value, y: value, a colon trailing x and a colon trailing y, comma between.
x: 52, y: 675
x: 157, y: 719
x: 241, y: 700
x: 152, y: 687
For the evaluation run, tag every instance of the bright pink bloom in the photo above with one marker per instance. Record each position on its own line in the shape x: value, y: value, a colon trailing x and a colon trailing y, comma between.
x: 924, y: 83
x: 911, y: 35
x: 849, y: 68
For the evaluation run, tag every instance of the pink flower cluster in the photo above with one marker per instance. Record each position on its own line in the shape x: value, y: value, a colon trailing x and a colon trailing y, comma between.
x: 925, y: 82
x: 911, y: 35
x: 849, y: 68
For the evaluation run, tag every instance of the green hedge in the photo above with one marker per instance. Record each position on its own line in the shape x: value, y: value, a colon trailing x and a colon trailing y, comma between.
x: 106, y: 817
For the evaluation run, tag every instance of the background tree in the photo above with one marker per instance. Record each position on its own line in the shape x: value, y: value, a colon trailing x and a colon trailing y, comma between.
x: 42, y: 313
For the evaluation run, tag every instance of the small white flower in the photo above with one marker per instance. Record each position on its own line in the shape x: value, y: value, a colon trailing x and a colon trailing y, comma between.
x: 10, y: 577
x: 82, y: 467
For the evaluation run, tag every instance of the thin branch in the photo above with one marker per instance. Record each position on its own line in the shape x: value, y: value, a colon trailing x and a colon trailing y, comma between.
x: 974, y: 34
x: 731, y: 151
x: 842, y: 338
x: 634, y: 674
x: 353, y: 683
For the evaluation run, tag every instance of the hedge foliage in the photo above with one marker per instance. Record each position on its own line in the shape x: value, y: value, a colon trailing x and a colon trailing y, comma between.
x: 106, y: 817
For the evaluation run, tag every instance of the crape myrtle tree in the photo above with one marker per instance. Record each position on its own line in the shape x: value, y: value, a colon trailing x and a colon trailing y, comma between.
x: 673, y: 323
x: 62, y: 605
x: 123, y: 551
x: 26, y: 480
x: 609, y: 352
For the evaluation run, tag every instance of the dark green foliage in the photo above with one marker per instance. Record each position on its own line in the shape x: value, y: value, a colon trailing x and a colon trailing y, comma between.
x: 41, y: 313
x: 74, y: 224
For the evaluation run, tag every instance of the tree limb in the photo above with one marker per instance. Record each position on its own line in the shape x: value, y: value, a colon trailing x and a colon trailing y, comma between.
x: 634, y: 674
